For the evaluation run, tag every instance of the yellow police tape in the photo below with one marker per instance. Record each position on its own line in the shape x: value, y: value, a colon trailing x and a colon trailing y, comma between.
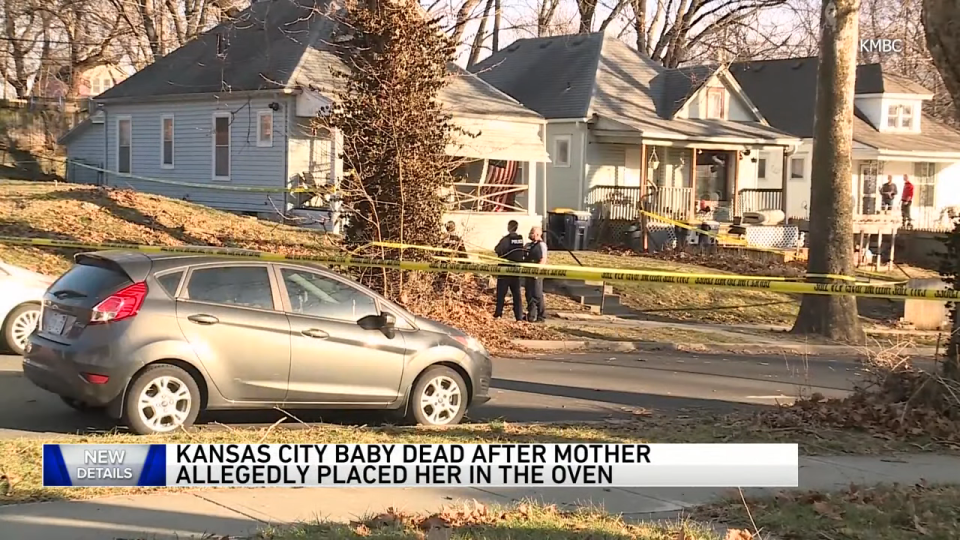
x: 587, y: 274
x: 727, y: 239
x: 216, y: 187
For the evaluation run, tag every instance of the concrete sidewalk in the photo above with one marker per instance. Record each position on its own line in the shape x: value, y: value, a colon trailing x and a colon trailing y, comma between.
x: 240, y: 512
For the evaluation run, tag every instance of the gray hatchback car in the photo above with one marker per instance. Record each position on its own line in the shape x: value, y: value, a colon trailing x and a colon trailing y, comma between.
x: 154, y: 339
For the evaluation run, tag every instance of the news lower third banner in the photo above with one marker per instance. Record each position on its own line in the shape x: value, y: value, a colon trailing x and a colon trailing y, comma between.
x: 421, y: 465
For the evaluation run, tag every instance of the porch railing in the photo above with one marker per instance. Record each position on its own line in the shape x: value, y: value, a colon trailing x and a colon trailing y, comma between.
x: 615, y: 202
x: 758, y: 200
x: 623, y: 202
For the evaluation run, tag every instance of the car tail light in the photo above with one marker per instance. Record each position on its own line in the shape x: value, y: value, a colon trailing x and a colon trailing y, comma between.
x: 120, y: 305
x: 94, y: 378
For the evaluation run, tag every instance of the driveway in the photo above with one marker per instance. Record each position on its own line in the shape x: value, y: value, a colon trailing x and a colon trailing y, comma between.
x: 570, y: 388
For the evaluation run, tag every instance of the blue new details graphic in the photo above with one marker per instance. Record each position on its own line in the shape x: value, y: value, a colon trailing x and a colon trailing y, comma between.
x: 56, y: 473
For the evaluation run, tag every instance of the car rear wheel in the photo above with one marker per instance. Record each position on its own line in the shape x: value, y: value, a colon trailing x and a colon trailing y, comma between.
x: 161, y: 399
x: 439, y: 398
x: 21, y: 322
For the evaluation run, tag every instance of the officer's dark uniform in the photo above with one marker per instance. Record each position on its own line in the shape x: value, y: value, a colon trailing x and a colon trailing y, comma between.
x: 511, y: 249
x: 536, y: 308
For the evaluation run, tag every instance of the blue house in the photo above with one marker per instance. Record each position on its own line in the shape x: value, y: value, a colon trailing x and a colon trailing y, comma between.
x: 237, y: 107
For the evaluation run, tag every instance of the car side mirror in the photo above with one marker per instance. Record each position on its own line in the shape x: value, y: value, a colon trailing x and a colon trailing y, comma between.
x: 386, y: 322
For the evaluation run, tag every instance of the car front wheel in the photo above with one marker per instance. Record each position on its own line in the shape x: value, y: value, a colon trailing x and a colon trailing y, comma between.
x: 21, y: 322
x: 161, y: 399
x: 439, y: 398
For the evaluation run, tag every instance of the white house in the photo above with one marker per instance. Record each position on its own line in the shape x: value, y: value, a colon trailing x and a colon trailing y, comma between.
x: 892, y: 137
x: 236, y: 107
x: 617, y: 121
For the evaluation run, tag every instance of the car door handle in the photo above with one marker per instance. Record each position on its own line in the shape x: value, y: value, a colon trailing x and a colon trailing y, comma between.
x: 203, y: 319
x: 315, y: 333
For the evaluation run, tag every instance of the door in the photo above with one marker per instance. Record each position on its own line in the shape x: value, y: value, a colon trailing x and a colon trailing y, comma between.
x: 333, y: 359
x: 231, y: 315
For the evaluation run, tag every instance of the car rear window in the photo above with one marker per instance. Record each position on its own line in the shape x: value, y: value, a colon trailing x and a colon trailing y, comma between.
x: 170, y: 282
x: 90, y: 281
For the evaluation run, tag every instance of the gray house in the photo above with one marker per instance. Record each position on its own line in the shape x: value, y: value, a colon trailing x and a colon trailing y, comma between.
x: 891, y: 138
x: 619, y: 124
x: 237, y: 107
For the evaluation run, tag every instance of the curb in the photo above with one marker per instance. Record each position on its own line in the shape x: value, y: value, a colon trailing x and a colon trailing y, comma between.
x: 709, y: 348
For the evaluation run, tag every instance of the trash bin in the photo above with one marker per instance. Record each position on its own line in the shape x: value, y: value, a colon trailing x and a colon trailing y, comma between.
x: 577, y: 230
x: 556, y: 232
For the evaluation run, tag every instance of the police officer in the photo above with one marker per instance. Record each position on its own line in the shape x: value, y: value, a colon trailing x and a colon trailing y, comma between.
x: 510, y: 248
x: 536, y: 254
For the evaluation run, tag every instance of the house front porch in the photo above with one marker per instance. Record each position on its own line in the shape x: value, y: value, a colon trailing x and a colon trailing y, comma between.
x: 696, y: 183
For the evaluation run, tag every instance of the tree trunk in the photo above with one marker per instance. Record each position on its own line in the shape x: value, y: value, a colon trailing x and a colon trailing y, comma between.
x: 831, y: 206
x: 941, y: 23
x: 940, y: 16
x: 497, y: 20
x: 588, y: 10
x: 481, y: 36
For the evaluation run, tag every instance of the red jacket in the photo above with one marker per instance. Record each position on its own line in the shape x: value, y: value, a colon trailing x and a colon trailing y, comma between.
x: 907, y: 192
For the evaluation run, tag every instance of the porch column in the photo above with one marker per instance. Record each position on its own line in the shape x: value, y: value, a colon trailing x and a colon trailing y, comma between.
x: 530, y: 179
x: 736, y: 183
x: 784, y: 175
x: 693, y: 182
x: 644, y: 236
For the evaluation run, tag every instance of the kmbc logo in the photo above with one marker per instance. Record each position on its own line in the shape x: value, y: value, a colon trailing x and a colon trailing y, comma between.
x: 881, y: 45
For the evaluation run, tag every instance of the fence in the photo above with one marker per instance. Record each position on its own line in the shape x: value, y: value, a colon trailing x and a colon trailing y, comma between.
x: 623, y: 202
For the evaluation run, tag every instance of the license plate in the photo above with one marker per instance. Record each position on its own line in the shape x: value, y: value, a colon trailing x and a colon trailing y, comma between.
x: 55, y: 322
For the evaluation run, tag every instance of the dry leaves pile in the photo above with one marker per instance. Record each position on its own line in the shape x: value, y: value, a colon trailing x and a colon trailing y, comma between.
x: 891, y: 512
x: 896, y: 402
x: 725, y: 261
x: 97, y: 215
x: 523, y: 521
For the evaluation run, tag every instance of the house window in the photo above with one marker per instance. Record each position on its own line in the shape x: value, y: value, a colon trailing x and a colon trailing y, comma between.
x: 107, y: 84
x: 715, y: 103
x: 925, y: 184
x: 95, y: 87
x: 124, y: 145
x: 900, y: 116
x: 166, y: 144
x: 265, y: 128
x: 761, y: 168
x: 221, y: 146
x: 796, y: 168
x: 561, y: 151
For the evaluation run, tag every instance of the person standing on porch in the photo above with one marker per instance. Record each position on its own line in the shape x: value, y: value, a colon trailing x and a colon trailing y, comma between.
x: 511, y: 249
x: 536, y: 254
x: 888, y: 192
x: 906, y: 201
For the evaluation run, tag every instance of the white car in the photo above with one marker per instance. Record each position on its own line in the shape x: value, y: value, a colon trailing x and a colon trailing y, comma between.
x: 20, y: 293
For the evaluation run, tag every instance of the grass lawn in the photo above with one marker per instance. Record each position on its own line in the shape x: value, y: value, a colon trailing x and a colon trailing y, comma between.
x: 633, y: 333
x: 676, y: 302
x: 86, y: 214
x: 525, y: 521
x: 887, y: 512
x: 20, y: 459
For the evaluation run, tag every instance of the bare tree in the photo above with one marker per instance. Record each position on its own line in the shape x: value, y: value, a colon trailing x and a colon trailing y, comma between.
x: 89, y: 29
x: 156, y: 27
x: 677, y: 26
x: 831, y: 208
x: 21, y: 28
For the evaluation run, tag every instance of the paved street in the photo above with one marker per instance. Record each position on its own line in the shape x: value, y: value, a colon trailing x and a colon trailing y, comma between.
x: 572, y: 387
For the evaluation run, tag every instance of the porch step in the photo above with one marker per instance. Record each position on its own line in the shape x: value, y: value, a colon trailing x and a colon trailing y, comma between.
x: 605, y: 300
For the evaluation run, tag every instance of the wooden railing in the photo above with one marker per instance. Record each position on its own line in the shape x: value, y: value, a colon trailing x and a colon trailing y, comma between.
x: 623, y: 202
x: 758, y: 200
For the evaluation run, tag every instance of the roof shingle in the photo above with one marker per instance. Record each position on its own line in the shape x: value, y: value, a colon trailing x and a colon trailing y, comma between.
x: 577, y: 76
x: 283, y: 44
x: 785, y: 91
